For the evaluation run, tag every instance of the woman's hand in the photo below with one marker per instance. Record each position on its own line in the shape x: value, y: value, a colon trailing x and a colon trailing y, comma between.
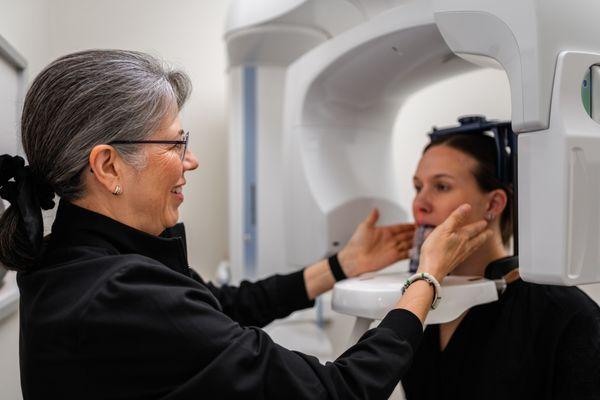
x: 451, y: 243
x: 448, y: 245
x: 372, y: 248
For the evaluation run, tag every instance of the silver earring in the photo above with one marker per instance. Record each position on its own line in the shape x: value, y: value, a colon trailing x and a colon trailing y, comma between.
x: 117, y: 190
x: 489, y: 216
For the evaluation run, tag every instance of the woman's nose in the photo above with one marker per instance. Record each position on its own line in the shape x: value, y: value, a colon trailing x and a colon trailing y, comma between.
x: 421, y: 206
x: 190, y: 162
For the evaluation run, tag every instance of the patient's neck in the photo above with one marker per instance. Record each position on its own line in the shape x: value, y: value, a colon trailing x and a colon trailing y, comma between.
x: 490, y: 251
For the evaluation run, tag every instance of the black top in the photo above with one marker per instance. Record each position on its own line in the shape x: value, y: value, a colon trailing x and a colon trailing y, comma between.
x: 536, y: 342
x: 114, y: 313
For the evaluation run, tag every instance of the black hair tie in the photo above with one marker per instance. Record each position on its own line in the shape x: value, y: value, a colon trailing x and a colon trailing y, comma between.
x: 22, y: 190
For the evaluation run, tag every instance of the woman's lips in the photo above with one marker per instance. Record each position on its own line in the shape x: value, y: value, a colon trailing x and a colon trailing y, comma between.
x: 178, y: 192
x: 424, y: 222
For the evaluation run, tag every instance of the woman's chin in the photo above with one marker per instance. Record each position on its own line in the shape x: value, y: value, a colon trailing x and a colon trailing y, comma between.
x: 172, y: 218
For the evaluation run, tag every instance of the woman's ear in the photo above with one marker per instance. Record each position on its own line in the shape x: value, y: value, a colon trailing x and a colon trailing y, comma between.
x: 106, y: 165
x: 496, y: 203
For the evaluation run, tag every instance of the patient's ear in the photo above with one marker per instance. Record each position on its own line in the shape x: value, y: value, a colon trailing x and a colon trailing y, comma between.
x: 497, y: 202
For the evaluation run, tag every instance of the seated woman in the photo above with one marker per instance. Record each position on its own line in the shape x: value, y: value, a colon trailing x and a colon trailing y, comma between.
x: 536, y: 341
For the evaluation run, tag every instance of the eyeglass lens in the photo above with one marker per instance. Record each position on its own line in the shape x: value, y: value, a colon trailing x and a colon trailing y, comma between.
x: 186, y: 139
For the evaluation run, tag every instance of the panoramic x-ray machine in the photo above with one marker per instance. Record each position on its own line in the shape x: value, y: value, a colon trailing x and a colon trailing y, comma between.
x: 317, y: 86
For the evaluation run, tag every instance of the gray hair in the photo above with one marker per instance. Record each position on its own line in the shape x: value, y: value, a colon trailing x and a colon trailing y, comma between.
x: 82, y: 100
x: 92, y: 97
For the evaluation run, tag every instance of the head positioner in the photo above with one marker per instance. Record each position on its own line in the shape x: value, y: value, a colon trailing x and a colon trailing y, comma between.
x: 501, y: 131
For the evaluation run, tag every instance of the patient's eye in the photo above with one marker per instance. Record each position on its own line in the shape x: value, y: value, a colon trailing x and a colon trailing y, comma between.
x: 417, y: 188
x: 442, y: 187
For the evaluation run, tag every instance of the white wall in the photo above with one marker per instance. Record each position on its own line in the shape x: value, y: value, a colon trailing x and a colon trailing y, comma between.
x: 25, y: 25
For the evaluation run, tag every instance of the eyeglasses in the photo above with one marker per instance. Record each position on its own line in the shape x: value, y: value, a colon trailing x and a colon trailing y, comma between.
x: 183, y: 144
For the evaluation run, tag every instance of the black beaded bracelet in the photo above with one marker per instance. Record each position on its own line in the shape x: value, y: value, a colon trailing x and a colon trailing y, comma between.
x: 336, y: 268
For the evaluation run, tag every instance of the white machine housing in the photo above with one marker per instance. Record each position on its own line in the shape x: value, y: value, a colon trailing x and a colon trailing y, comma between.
x: 352, y: 64
x: 263, y: 38
x: 546, y: 48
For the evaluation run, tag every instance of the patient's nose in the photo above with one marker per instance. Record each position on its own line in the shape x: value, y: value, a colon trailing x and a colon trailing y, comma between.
x: 421, y: 206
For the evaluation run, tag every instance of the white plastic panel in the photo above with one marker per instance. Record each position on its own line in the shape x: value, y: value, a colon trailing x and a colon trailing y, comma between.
x: 580, y: 212
x: 509, y: 35
x: 371, y: 8
x: 372, y: 296
x: 265, y: 157
x: 330, y: 17
x: 271, y: 45
x: 595, y: 92
x: 525, y: 36
x: 246, y: 13
x: 559, y: 186
x: 263, y: 37
x: 235, y: 175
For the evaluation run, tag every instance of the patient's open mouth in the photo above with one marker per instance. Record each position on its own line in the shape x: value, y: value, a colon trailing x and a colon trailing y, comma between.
x: 421, y: 234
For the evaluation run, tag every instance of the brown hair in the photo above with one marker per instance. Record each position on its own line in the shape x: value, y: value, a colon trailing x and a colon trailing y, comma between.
x: 482, y: 148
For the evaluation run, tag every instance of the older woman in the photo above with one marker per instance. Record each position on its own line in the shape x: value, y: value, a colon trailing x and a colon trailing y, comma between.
x: 536, y: 341
x: 110, y: 308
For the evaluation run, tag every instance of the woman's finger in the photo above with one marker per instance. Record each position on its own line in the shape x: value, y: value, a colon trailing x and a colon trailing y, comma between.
x: 404, y: 236
x: 457, y: 218
x: 400, y: 228
x: 403, y: 245
x: 403, y: 254
x: 372, y: 218
x: 474, y: 228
